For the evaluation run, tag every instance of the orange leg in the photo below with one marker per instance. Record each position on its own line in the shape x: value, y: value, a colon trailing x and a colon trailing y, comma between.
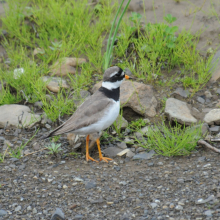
x: 87, y: 150
x: 100, y: 153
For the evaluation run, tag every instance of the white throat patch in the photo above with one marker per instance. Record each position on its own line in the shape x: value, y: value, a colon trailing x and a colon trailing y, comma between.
x: 112, y: 85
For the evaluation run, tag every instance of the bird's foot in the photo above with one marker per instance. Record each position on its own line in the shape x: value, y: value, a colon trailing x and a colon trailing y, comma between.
x: 104, y: 159
x: 90, y: 158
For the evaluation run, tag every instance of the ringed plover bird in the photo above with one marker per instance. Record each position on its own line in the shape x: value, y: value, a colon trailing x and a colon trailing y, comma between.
x: 97, y: 112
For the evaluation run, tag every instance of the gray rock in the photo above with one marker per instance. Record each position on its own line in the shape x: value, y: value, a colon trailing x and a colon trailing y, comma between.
x: 144, y: 156
x: 218, y: 91
x: 121, y: 122
x: 122, y: 145
x: 208, y: 213
x: 179, y: 111
x: 201, y: 100
x: 214, y: 129
x: 18, y: 208
x: 58, y: 215
x: 130, y: 154
x: 3, y: 212
x: 202, y: 201
x: 112, y: 151
x: 183, y: 93
x: 208, y: 94
x: 90, y: 185
x: 13, y: 113
x: 78, y: 216
x: 212, y: 116
x: 139, y: 134
x: 179, y: 207
x: 153, y: 205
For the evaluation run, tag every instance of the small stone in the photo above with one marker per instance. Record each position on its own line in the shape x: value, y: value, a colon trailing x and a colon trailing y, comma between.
x: 90, y: 185
x: 111, y: 151
x: 66, y: 65
x: 47, y: 126
x: 201, y: 100
x: 214, y: 129
x: 208, y: 213
x: 208, y: 94
x: 58, y: 215
x: 182, y: 92
x: 213, y: 117
x: 122, y: 145
x: 49, y: 180
x: 3, y: 212
x: 125, y: 151
x: 180, y: 180
x: 34, y: 211
x: 65, y: 186
x: 154, y: 205
x: 172, y: 205
x: 179, y: 207
x: 144, y: 156
x: 18, y: 208
x: 29, y: 208
x: 121, y: 122
x: 78, y: 216
x: 77, y: 179
x: 117, y: 168
x: 54, y: 83
x: 130, y: 154
x: 150, y: 164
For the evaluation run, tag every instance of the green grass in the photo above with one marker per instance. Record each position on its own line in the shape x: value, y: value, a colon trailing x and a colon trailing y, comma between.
x: 61, y: 29
x: 158, y: 47
x: 171, y: 140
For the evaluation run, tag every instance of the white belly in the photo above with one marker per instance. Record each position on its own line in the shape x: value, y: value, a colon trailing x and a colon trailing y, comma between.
x: 110, y: 116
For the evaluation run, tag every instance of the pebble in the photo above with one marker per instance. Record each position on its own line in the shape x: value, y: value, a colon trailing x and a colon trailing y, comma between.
x: 29, y: 208
x: 201, y: 100
x: 65, y: 186
x: 90, y: 185
x: 144, y: 156
x: 179, y: 207
x: 154, y: 205
x: 208, y: 213
x: 18, y: 208
x: 3, y: 212
x: 34, y: 211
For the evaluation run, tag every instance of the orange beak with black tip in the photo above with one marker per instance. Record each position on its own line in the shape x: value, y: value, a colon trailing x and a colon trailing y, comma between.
x: 127, y: 77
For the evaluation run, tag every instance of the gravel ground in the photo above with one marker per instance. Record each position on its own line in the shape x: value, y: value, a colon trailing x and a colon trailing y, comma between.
x: 158, y: 188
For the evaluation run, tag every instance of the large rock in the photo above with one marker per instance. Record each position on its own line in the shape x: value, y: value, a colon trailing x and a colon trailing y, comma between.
x: 66, y: 65
x: 179, y: 111
x: 137, y: 96
x: 13, y: 113
x: 213, y: 116
x: 54, y: 83
x: 215, y: 68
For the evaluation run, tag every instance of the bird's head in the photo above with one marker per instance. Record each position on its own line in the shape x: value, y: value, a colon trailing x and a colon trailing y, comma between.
x: 113, y: 77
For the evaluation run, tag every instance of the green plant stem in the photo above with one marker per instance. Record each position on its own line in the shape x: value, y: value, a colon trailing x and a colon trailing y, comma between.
x: 109, y: 49
x: 110, y: 34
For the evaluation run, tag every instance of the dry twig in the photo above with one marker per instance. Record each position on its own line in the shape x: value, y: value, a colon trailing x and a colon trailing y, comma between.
x: 202, y: 142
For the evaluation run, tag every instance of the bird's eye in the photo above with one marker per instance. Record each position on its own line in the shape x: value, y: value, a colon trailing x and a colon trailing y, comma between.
x: 118, y: 74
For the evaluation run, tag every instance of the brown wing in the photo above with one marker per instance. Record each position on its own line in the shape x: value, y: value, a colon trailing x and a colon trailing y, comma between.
x: 92, y: 109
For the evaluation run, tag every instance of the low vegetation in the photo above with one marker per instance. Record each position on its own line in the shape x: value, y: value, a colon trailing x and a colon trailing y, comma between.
x: 59, y: 29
